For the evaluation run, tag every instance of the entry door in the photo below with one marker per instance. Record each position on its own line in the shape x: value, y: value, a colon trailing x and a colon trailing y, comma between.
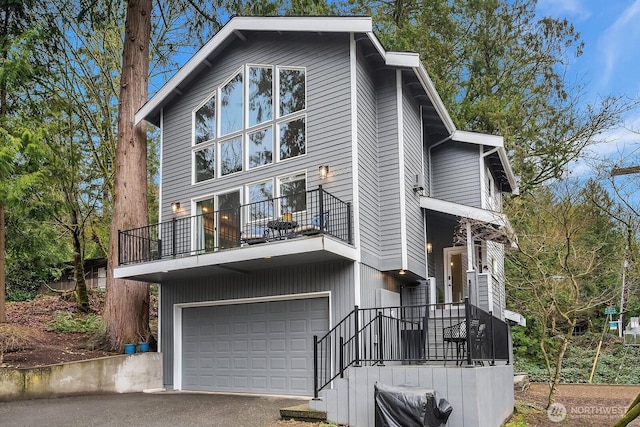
x: 455, y: 271
x: 216, y: 223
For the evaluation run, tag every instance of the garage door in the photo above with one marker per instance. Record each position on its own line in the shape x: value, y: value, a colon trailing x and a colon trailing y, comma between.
x: 264, y: 347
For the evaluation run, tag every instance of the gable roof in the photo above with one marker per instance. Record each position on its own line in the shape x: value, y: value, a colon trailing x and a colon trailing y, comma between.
x: 237, y: 28
x: 234, y: 29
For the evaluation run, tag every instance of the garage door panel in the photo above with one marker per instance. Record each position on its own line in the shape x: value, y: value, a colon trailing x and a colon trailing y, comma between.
x: 264, y: 347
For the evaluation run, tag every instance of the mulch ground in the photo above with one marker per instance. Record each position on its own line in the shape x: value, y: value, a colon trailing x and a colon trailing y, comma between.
x: 591, y: 405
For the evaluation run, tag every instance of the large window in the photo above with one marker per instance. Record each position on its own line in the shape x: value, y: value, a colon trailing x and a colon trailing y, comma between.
x: 293, y: 193
x: 260, y: 200
x: 236, y: 129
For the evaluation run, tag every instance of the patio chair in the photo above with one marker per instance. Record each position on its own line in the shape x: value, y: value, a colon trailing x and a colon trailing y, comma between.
x: 256, y: 235
x: 314, y: 227
x: 455, y: 334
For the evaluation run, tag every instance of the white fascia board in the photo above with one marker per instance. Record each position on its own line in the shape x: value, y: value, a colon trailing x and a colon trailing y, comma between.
x: 513, y: 182
x: 515, y: 317
x: 430, y: 89
x: 402, y: 59
x: 463, y: 211
x: 478, y: 138
x: 282, y: 24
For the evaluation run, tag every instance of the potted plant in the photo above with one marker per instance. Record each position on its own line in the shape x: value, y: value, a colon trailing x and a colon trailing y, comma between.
x: 129, y: 348
x: 143, y: 344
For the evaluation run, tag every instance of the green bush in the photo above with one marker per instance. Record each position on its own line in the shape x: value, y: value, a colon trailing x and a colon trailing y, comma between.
x: 67, y: 322
x: 16, y: 295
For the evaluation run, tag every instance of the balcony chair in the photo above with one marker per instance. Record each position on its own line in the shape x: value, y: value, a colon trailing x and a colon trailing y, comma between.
x: 314, y: 227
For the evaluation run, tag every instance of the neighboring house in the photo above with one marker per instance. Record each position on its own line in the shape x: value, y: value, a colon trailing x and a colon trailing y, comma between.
x: 95, y: 274
x: 305, y: 171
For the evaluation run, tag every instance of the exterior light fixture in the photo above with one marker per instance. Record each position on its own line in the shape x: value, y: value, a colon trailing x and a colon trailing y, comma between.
x: 402, y: 272
x: 429, y: 247
x: 175, y: 206
x: 323, y: 172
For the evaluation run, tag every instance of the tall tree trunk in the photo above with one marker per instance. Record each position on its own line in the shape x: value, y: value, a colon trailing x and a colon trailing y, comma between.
x: 82, y: 297
x: 127, y: 304
x: 3, y: 316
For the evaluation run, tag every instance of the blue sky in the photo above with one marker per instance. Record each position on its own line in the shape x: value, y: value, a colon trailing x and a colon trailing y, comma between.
x: 610, y: 64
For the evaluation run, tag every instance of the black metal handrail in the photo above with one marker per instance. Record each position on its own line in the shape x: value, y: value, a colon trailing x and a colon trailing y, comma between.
x: 301, y: 214
x: 408, y: 335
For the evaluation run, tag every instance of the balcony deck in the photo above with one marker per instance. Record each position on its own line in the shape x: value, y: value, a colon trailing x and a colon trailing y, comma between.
x: 308, y: 226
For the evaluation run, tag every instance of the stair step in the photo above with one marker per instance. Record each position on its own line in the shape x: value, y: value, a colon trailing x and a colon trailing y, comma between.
x: 302, y: 413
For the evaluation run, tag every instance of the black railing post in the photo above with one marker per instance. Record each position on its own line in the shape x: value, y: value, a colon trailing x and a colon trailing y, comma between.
x: 239, y: 229
x: 380, y: 340
x: 467, y: 315
x: 315, y: 366
x: 341, y: 357
x: 357, y: 336
x: 173, y: 237
x: 493, y: 342
x: 321, y: 207
x: 159, y: 248
x: 119, y: 247
x: 349, y: 236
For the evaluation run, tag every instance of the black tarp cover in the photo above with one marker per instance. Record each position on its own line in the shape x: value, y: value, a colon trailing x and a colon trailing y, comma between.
x: 410, y: 406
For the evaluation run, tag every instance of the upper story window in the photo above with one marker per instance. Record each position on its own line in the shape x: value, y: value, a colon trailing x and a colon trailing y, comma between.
x: 235, y: 129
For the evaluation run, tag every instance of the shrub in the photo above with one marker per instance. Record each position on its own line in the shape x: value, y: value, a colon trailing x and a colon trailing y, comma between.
x: 67, y: 322
x: 16, y: 295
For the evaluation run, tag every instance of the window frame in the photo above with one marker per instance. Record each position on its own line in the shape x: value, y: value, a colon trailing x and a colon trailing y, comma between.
x: 279, y: 180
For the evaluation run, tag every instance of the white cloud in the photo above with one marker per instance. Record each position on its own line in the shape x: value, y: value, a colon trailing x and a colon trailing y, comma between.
x: 616, y: 44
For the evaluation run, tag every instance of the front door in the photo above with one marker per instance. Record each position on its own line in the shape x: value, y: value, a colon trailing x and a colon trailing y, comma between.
x: 455, y: 267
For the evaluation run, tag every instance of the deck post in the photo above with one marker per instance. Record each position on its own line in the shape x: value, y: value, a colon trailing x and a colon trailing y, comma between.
x: 321, y: 208
x: 119, y: 247
x: 493, y: 342
x: 315, y: 366
x: 341, y: 357
x: 467, y: 315
x: 357, y: 336
x: 173, y: 237
x: 380, y: 340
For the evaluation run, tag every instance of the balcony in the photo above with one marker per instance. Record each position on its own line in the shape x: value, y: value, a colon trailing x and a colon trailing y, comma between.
x: 295, y: 217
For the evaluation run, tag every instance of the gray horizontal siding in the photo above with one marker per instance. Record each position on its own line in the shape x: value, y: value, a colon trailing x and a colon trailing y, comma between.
x: 496, y: 251
x: 372, y: 281
x: 416, y: 245
x: 388, y: 164
x: 326, y: 59
x: 368, y: 162
x: 336, y: 277
x: 455, y: 173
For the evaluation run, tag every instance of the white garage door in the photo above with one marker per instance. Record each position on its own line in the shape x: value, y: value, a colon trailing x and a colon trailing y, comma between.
x: 263, y: 347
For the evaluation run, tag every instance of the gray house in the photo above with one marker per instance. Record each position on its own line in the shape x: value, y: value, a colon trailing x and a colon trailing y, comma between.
x: 324, y: 225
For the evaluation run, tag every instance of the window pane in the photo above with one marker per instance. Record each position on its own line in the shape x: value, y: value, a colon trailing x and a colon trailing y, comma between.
x: 292, y: 139
x: 260, y: 95
x: 231, y: 106
x: 205, y: 164
x: 228, y: 220
x: 291, y: 91
x: 260, y: 200
x: 260, y: 148
x: 293, y: 196
x: 206, y: 121
x: 205, y: 226
x: 231, y: 156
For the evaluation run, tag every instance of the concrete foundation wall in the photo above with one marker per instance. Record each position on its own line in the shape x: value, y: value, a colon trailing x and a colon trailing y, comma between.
x: 114, y: 374
x: 481, y: 396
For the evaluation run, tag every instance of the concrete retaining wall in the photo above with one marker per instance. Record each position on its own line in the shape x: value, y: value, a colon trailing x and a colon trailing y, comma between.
x: 113, y: 374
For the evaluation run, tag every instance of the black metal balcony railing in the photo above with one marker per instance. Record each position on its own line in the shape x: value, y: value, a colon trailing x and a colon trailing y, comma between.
x: 300, y: 214
x: 418, y: 334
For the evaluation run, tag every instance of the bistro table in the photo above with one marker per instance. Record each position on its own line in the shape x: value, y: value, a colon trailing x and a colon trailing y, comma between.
x: 282, y: 227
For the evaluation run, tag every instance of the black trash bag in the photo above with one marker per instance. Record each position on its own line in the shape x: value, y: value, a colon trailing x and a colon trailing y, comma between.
x: 410, y: 406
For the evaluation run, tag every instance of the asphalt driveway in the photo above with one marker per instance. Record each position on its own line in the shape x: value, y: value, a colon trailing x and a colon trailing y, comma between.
x: 142, y: 409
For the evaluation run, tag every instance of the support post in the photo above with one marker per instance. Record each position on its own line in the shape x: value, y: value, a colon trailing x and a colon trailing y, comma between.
x: 467, y: 316
x: 119, y: 247
x: 341, y: 357
x: 493, y: 342
x: 315, y: 366
x: 349, y: 231
x: 321, y: 208
x: 173, y: 237
x: 356, y: 332
x: 380, y: 340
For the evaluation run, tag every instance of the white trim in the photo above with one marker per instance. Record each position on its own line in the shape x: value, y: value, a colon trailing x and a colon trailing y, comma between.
x: 446, y: 259
x: 159, y: 318
x: 477, y: 138
x: 283, y: 24
x: 483, y: 171
x: 177, y: 321
x: 402, y: 59
x: 353, y: 77
x: 464, y: 211
x: 401, y: 172
x: 515, y: 317
x: 428, y: 86
x: 160, y: 172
